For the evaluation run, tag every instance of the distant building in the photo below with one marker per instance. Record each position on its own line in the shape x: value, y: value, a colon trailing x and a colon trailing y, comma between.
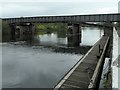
x: 119, y: 7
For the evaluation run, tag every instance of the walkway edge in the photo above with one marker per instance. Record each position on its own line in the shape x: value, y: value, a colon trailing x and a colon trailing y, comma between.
x: 74, y: 67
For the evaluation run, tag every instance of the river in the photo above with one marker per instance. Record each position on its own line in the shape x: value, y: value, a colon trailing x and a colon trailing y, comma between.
x: 29, y: 66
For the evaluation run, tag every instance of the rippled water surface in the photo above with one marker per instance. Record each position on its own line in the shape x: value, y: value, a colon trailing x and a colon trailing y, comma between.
x: 26, y: 66
x: 34, y: 67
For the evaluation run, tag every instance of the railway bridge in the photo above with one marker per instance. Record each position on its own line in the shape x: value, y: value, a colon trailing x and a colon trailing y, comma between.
x: 86, y: 72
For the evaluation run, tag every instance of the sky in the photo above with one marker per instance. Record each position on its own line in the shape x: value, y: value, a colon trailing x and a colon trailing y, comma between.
x: 22, y: 8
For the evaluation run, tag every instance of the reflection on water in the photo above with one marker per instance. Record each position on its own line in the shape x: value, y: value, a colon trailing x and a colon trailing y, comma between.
x: 34, y: 67
x: 52, y: 38
x: 89, y: 37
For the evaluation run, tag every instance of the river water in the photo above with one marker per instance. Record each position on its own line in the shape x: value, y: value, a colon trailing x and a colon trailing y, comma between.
x: 30, y: 66
x: 89, y: 37
x: 34, y: 67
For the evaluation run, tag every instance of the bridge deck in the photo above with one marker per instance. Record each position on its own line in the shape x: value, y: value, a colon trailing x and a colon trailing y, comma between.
x: 86, y: 69
x: 115, y: 17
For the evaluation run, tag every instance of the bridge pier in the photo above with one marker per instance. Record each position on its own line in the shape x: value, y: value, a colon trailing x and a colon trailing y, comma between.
x: 22, y: 31
x: 108, y: 31
x: 13, y: 29
x: 27, y: 31
x: 74, y: 35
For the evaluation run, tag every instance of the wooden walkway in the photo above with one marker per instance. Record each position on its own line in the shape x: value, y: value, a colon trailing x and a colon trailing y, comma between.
x: 85, y: 72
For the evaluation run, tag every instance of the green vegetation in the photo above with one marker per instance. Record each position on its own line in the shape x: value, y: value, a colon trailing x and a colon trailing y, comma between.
x: 118, y: 25
x: 5, y: 29
x: 6, y: 32
x: 108, y: 80
x: 50, y: 28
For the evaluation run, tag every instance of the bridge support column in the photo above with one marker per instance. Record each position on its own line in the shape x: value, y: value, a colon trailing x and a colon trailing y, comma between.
x: 13, y: 28
x: 23, y: 31
x: 74, y: 35
x: 27, y: 31
x: 108, y: 31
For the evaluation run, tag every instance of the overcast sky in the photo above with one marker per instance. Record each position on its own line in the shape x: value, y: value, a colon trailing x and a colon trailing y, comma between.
x: 19, y: 8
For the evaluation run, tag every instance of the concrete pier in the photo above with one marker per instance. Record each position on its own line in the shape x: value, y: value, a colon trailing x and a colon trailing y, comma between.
x: 27, y: 31
x: 108, y: 31
x: 74, y: 35
x: 13, y: 29
x: 22, y: 31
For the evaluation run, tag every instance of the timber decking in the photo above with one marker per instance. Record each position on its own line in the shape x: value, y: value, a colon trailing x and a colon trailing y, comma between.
x: 86, y: 69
